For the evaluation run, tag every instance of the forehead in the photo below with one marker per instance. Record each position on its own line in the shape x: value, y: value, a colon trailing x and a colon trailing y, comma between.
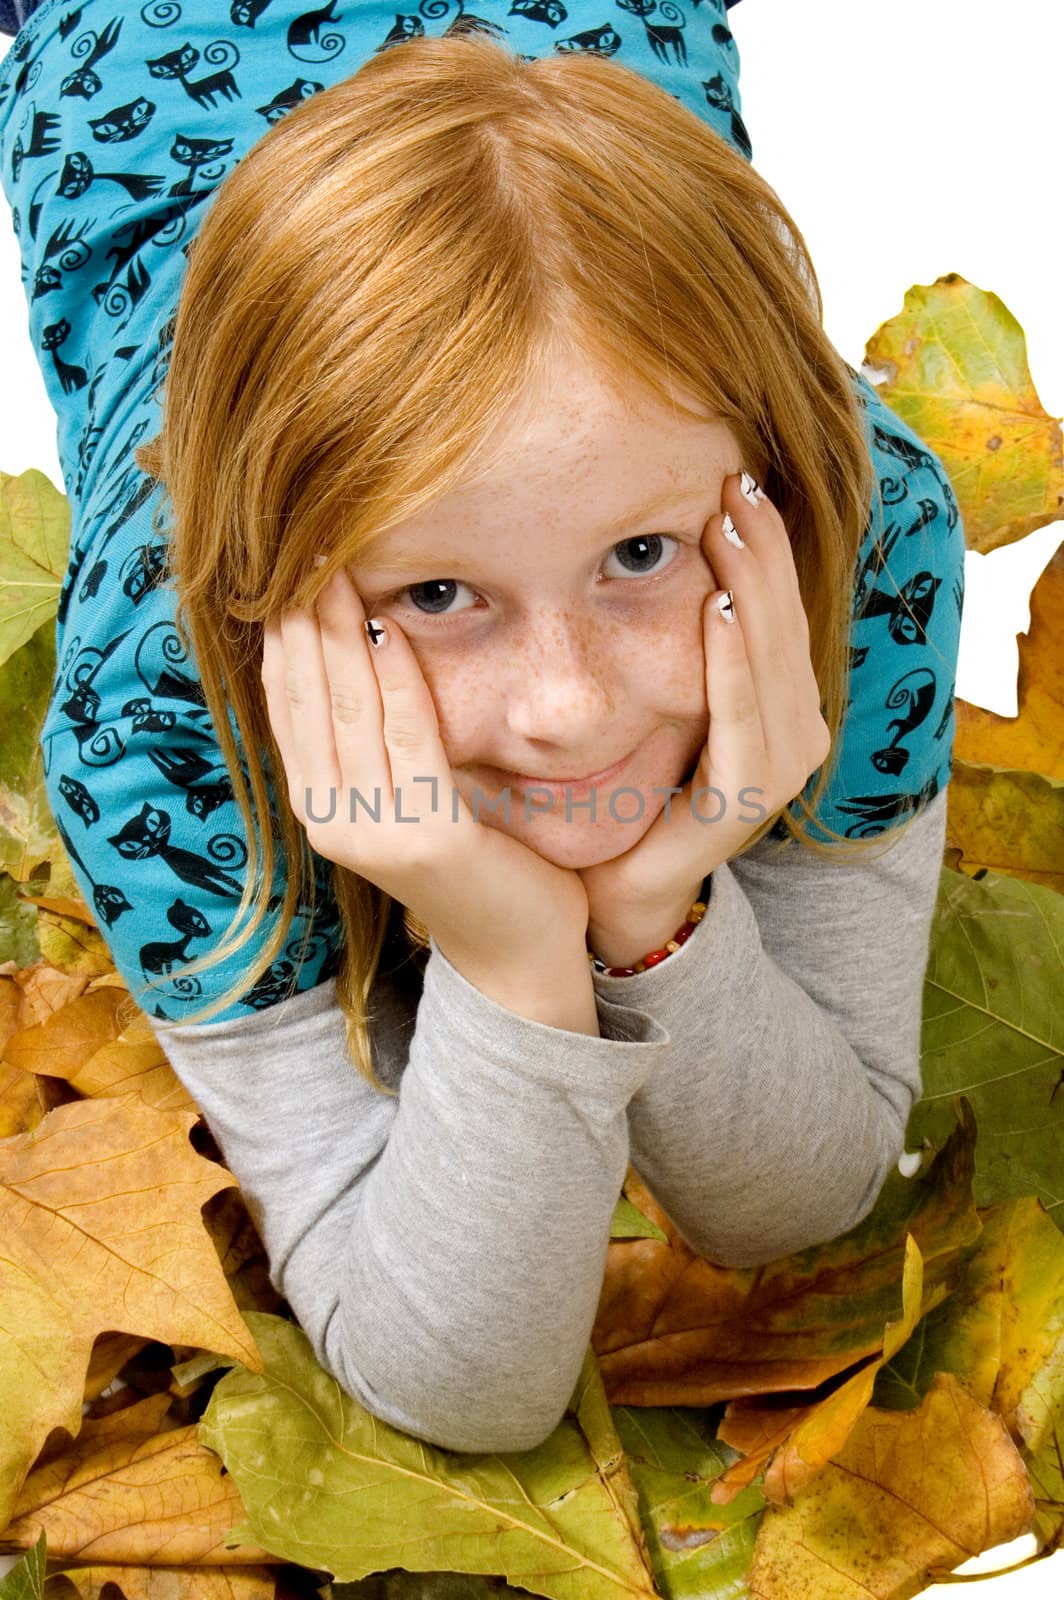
x: 579, y: 464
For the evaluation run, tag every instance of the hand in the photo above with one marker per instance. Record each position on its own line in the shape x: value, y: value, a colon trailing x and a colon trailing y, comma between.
x: 347, y: 716
x: 766, y: 736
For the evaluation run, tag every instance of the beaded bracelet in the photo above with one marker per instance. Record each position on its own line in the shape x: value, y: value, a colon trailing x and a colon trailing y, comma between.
x: 653, y: 957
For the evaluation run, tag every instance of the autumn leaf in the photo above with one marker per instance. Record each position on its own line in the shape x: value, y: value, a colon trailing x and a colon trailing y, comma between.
x: 26, y: 1580
x: 161, y: 1582
x: 955, y: 367
x: 675, y: 1329
x: 699, y: 1549
x: 993, y: 1027
x: 34, y: 542
x: 132, y: 1489
x: 102, y: 1044
x: 100, y: 1213
x: 1034, y: 739
x: 28, y: 837
x: 629, y: 1223
x: 327, y: 1484
x: 1007, y: 821
x: 18, y: 926
x: 877, y: 1524
x: 791, y: 1453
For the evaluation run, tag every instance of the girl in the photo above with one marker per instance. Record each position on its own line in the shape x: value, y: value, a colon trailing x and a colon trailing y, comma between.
x: 493, y: 350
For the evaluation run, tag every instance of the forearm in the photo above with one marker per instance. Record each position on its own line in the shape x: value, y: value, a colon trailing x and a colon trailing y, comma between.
x: 782, y: 1104
x: 442, y: 1250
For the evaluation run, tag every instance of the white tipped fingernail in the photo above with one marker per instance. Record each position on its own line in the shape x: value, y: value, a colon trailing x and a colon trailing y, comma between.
x: 378, y: 633
x: 731, y: 533
x: 750, y: 490
x: 725, y: 606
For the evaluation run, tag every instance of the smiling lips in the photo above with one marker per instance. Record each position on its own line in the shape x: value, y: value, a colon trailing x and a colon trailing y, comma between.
x: 559, y: 786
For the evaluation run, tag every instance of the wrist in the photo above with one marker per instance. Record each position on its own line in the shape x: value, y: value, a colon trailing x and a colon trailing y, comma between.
x: 626, y: 941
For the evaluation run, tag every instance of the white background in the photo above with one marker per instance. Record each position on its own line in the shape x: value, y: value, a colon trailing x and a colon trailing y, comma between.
x: 908, y: 140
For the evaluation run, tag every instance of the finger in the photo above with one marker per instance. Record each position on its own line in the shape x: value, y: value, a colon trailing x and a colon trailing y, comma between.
x: 410, y: 747
x: 736, y: 744
x: 354, y: 694
x: 314, y: 770
x: 772, y: 652
x: 274, y: 688
x: 765, y: 533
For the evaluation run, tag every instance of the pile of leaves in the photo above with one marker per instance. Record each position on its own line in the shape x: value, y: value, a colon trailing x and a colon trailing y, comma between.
x: 855, y: 1420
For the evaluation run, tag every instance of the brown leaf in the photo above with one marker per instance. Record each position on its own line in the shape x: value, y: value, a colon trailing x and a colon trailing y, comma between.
x: 127, y: 1492
x: 69, y: 1036
x: 675, y: 1329
x: 912, y: 1495
x: 100, y: 1208
x: 800, y: 1443
x: 164, y: 1583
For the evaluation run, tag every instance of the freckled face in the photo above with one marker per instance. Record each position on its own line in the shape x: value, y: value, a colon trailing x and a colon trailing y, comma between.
x: 554, y: 605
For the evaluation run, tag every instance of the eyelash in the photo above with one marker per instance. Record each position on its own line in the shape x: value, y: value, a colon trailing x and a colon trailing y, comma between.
x: 396, y: 596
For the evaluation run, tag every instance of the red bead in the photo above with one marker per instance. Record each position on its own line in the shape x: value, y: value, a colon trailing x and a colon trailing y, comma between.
x: 683, y: 934
x: 654, y: 957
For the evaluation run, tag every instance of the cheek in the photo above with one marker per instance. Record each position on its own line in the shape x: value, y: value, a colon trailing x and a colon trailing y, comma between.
x: 672, y: 653
x: 461, y: 692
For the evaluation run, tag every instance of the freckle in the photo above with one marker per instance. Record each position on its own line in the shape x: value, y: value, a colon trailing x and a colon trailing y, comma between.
x: 994, y: 443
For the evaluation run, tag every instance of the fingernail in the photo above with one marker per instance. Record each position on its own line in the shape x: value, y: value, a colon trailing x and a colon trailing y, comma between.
x: 731, y: 533
x: 725, y: 606
x: 317, y: 561
x: 750, y: 489
x: 378, y: 633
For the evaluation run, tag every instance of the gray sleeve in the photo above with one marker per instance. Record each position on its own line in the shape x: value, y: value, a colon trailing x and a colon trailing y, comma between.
x: 443, y: 1251
x: 794, y: 1019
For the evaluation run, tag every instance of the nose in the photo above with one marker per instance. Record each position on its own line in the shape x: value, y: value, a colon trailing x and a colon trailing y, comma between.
x: 562, y: 683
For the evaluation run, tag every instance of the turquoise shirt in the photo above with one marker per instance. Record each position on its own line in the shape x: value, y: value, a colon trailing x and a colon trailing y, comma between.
x: 115, y: 130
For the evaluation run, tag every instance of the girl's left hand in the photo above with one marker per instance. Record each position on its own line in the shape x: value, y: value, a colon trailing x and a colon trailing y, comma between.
x: 766, y: 734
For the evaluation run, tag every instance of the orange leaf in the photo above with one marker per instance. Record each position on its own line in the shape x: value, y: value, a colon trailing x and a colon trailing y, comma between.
x: 912, y: 1495
x: 100, y: 1211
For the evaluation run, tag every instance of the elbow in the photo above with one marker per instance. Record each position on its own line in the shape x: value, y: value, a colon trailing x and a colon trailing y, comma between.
x: 449, y: 1419
x: 468, y: 1433
x: 789, y: 1241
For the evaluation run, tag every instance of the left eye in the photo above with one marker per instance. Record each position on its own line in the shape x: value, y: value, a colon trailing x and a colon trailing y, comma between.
x: 641, y: 554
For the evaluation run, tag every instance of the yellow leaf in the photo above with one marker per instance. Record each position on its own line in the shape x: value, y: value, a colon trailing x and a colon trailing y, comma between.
x: 912, y: 1495
x: 956, y: 370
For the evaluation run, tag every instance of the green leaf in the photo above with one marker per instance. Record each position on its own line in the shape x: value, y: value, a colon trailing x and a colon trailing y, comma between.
x: 18, y: 927
x: 34, y: 545
x: 26, y: 1580
x: 28, y: 835
x: 993, y: 1029
x: 630, y: 1223
x: 699, y: 1550
x: 328, y: 1485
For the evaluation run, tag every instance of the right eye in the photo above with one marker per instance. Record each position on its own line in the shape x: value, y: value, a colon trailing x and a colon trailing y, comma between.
x: 433, y: 597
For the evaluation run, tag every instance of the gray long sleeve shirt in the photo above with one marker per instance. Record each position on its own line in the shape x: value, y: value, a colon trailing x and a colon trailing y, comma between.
x: 444, y: 1251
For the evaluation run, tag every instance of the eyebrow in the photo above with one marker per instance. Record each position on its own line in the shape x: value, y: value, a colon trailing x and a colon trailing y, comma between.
x: 453, y: 563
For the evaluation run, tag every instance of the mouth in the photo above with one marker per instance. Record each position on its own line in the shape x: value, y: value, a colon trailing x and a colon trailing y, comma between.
x: 561, y: 786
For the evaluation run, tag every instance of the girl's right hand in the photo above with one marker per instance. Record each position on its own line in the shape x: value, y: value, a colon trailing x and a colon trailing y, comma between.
x: 348, y: 716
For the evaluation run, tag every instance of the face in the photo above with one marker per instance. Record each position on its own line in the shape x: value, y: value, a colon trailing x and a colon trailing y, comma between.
x: 554, y: 606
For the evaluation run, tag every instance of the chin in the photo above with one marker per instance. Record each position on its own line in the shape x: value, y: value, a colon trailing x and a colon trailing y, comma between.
x: 576, y: 849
